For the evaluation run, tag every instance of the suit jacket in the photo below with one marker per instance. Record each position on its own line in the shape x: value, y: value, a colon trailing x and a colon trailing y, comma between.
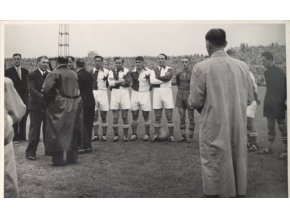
x: 20, y: 85
x: 85, y: 80
x: 35, y: 83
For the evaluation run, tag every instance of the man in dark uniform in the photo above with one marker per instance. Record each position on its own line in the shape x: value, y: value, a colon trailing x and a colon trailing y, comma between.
x: 36, y: 106
x: 275, y: 102
x: 86, y: 89
x: 63, y: 114
x: 183, y: 84
x: 19, y: 75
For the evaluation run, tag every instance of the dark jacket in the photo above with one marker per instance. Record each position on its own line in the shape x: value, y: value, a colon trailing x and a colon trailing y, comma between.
x: 85, y: 81
x: 35, y: 83
x: 21, y: 86
x: 275, y: 97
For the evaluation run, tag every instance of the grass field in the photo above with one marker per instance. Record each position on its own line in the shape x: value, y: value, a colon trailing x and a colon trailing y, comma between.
x: 144, y: 169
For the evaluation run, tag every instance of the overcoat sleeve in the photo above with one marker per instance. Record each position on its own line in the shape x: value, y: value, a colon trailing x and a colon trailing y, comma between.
x: 49, y: 82
x: 13, y: 103
x: 197, y: 89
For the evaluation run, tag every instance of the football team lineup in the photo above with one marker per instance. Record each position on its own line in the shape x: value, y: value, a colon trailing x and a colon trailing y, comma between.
x: 209, y: 106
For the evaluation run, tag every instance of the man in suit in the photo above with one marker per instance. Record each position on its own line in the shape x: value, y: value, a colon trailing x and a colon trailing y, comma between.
x: 221, y: 88
x: 85, y: 80
x: 19, y: 75
x: 36, y: 106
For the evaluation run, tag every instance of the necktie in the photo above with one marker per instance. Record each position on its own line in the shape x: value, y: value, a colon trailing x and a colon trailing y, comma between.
x: 19, y: 72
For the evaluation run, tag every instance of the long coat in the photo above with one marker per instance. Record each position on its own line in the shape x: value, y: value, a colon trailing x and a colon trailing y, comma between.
x: 275, y: 97
x: 221, y: 89
x: 64, y: 112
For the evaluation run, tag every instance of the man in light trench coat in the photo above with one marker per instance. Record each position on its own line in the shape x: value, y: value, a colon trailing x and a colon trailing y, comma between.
x: 221, y: 88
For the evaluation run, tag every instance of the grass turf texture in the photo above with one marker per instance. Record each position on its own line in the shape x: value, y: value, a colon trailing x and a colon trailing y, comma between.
x: 144, y: 169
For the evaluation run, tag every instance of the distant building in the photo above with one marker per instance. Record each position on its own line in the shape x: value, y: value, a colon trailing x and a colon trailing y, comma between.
x: 92, y: 54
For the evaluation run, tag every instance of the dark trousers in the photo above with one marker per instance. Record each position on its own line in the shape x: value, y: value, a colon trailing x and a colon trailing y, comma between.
x: 88, y: 119
x: 61, y: 158
x: 20, y: 129
x: 37, y: 117
x: 272, y: 130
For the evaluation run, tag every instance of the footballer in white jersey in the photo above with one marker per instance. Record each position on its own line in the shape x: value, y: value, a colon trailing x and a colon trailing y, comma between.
x: 160, y: 80
x: 119, y: 81
x: 140, y: 97
x: 100, y: 88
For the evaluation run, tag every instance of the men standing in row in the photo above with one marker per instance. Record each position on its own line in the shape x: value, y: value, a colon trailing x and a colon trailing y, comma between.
x: 19, y: 75
x: 119, y: 80
x: 221, y: 88
x: 140, y: 97
x: 162, y: 96
x: 183, y: 84
x: 36, y: 106
x: 63, y: 114
x: 275, y: 102
x: 85, y: 81
x: 100, y: 88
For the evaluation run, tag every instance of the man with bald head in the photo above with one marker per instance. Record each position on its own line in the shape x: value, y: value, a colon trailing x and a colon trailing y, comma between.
x: 220, y: 90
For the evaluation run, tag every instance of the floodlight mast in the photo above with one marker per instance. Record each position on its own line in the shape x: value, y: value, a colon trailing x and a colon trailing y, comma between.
x: 63, y: 40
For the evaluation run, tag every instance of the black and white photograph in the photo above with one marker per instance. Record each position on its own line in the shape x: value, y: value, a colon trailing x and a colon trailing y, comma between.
x: 145, y: 109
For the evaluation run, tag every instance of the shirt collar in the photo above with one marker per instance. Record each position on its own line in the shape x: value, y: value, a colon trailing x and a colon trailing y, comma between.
x: 42, y: 72
x: 17, y: 67
x: 160, y: 68
x: 100, y: 69
x: 219, y: 53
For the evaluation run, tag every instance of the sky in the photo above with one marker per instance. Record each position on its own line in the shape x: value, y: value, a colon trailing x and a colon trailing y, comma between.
x: 133, y: 38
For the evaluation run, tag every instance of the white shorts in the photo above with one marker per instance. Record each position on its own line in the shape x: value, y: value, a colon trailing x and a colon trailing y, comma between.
x: 251, y: 109
x: 101, y: 99
x: 163, y: 98
x: 140, y: 100
x: 120, y: 99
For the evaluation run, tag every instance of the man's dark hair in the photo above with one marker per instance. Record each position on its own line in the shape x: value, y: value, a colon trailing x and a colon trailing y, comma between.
x: 163, y: 55
x: 268, y: 55
x: 16, y: 54
x: 62, y: 60
x: 98, y: 56
x: 216, y: 36
x: 71, y: 57
x: 139, y: 58
x: 41, y: 57
x: 119, y: 58
x: 80, y: 63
